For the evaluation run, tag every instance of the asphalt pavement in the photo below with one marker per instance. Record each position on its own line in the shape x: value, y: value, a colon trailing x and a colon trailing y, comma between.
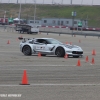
x: 50, y: 77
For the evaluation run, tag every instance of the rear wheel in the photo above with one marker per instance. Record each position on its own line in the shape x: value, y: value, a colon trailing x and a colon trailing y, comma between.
x: 27, y: 50
x: 60, y: 52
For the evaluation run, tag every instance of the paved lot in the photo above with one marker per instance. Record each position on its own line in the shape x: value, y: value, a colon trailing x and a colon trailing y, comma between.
x: 50, y: 77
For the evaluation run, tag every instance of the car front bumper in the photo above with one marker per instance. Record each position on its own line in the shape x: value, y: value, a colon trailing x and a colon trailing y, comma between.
x: 74, y: 53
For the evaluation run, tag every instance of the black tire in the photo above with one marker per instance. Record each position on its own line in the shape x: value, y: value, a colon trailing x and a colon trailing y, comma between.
x: 60, y: 52
x: 43, y: 54
x: 27, y: 50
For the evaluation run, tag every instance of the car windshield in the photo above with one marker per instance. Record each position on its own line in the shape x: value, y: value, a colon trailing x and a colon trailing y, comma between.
x: 54, y: 41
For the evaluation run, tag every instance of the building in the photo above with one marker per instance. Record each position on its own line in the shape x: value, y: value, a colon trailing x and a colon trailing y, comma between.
x: 3, y: 21
x: 63, y: 22
x: 37, y: 22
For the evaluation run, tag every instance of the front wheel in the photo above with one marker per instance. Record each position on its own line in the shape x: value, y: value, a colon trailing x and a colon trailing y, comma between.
x: 27, y: 50
x: 60, y: 52
x: 43, y: 54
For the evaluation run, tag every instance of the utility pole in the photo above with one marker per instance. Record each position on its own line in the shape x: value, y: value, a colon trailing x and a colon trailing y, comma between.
x: 1, y: 1
x: 62, y: 2
x: 25, y: 1
x: 92, y: 2
x: 19, y: 16
x: 81, y: 2
x: 17, y: 1
x: 73, y: 16
x: 71, y: 2
x: 52, y: 1
x: 34, y: 10
x: 43, y: 1
x: 8, y: 1
x: 4, y: 17
x: 87, y: 20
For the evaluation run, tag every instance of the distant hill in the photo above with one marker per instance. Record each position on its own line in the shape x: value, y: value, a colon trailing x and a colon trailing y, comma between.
x: 90, y: 13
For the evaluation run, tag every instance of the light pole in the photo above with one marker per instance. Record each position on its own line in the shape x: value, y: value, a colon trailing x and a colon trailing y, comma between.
x: 8, y: 1
x: 73, y: 16
x: 19, y: 16
x: 92, y: 2
x: 71, y: 2
x: 52, y: 1
x: 25, y: 1
x: 4, y: 20
x: 81, y: 25
x: 81, y: 2
x: 5, y: 17
x: 43, y: 1
x: 34, y: 11
x: 62, y: 2
x: 17, y: 1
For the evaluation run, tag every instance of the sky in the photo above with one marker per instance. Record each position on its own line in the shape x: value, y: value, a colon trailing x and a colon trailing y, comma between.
x: 83, y: 2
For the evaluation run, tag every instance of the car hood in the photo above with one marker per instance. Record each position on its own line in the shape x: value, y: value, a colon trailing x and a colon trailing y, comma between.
x: 72, y: 47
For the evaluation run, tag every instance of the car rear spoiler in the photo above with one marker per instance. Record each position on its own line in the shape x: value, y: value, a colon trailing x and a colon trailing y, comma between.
x: 20, y: 38
x: 24, y: 39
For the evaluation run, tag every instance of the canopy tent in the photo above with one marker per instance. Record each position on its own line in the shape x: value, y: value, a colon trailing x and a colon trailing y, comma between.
x: 16, y: 19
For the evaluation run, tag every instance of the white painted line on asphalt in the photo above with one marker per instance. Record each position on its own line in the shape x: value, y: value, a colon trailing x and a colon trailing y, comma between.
x: 19, y: 51
x: 36, y: 65
x: 64, y: 84
x: 16, y: 67
x: 9, y: 51
x: 12, y: 85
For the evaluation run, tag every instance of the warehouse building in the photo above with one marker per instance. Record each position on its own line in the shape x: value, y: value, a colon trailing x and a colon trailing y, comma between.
x: 60, y: 22
x: 63, y: 22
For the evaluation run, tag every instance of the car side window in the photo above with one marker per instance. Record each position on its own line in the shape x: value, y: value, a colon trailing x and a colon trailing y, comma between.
x: 41, y: 41
x: 31, y: 42
x: 44, y: 42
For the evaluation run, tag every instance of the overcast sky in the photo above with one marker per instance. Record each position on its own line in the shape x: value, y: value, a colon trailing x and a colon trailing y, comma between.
x: 84, y: 2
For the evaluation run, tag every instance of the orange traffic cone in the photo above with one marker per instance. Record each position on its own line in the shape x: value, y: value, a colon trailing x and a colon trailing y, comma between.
x: 79, y: 41
x: 86, y: 59
x: 39, y: 54
x: 92, y: 62
x: 78, y: 63
x: 66, y: 56
x: 93, y: 52
x: 66, y: 42
x: 21, y: 36
x: 24, y: 79
x: 70, y: 43
x: 8, y: 42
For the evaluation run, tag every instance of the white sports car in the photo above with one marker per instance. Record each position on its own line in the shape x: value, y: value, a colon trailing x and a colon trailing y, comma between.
x: 48, y: 46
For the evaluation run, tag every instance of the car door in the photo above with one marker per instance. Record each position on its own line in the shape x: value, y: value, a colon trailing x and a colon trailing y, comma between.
x: 41, y: 46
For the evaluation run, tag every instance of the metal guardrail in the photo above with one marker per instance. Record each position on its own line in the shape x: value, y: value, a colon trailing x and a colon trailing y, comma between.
x: 59, y: 31
x: 69, y: 32
x: 8, y: 28
x: 73, y: 34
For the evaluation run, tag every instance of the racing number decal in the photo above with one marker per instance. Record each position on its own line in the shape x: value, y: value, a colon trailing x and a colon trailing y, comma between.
x: 40, y: 47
